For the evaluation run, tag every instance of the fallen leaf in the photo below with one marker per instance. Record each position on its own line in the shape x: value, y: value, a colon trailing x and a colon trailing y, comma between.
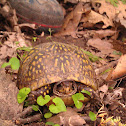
x: 120, y: 70
x: 94, y: 17
x: 71, y: 21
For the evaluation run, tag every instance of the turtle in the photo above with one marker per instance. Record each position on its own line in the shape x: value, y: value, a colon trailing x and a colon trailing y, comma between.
x: 44, y: 14
x: 56, y: 68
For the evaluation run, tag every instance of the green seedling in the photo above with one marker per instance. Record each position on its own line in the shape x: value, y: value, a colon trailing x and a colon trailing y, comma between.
x: 58, y: 107
x: 23, y: 94
x: 42, y: 101
x: 51, y: 124
x: 35, y: 107
x: 115, y: 2
x: 92, y: 57
x: 92, y: 116
x: 34, y: 39
x: 106, y: 71
x: 25, y: 48
x: 117, y: 53
x: 76, y: 98
x: 13, y: 62
x: 48, y: 115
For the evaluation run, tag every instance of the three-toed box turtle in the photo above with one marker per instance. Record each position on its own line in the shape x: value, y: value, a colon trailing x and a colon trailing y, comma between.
x: 56, y: 66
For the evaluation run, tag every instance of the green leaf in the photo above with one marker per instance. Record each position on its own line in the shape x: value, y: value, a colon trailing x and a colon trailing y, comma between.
x: 35, y: 107
x: 48, y: 115
x: 92, y: 116
x: 34, y: 39
x: 113, y: 2
x: 117, y: 53
x: 56, y: 125
x: 110, y: 88
x: 50, y: 123
x: 92, y: 57
x: 24, y: 48
x: 23, y: 94
x: 58, y: 107
x: 5, y: 65
x: 13, y: 62
x: 106, y: 71
x: 86, y: 92
x: 42, y: 101
x: 76, y: 97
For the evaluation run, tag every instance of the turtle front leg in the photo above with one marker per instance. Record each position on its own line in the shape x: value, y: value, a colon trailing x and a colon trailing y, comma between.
x: 32, y: 97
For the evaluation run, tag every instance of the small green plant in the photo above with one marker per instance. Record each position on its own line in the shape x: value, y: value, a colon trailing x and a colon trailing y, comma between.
x: 106, y: 71
x: 115, y: 2
x: 117, y: 53
x: 25, y: 48
x: 23, y: 94
x: 42, y: 101
x: 92, y: 116
x: 51, y: 124
x: 58, y: 107
x: 50, y: 34
x: 77, y: 98
x: 92, y: 57
x: 35, y: 107
x: 48, y: 115
x: 13, y: 62
x: 34, y: 39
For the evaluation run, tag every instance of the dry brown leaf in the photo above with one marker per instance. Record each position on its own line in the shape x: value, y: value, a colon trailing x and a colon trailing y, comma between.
x: 103, y: 45
x: 9, y: 47
x: 71, y: 21
x: 120, y: 70
x: 121, y: 13
x: 106, y: 8
x: 93, y: 18
x: 68, y: 118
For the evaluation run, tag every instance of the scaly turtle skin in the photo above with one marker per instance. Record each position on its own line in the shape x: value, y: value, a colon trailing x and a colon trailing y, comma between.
x: 55, y: 62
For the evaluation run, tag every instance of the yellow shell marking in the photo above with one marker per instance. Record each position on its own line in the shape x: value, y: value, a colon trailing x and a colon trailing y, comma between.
x: 78, y: 56
x: 52, y: 47
x: 68, y: 63
x: 66, y: 57
x: 65, y: 49
x: 45, y: 87
x: 41, y: 92
x: 47, y: 91
x: 33, y: 70
x: 60, y: 48
x: 33, y: 63
x: 29, y: 73
x: 56, y: 61
x: 36, y: 71
x: 31, y: 52
x: 36, y: 57
x: 86, y: 73
x: 61, y: 58
x: 40, y: 54
x: 39, y: 66
x: 62, y: 67
x: 40, y: 59
x: 44, y: 93
x: 30, y: 67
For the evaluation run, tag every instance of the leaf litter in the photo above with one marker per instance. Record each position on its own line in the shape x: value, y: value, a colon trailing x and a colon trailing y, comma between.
x: 98, y: 22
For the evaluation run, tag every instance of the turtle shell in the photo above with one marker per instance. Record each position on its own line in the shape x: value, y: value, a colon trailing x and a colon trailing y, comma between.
x: 53, y: 62
x: 44, y: 13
